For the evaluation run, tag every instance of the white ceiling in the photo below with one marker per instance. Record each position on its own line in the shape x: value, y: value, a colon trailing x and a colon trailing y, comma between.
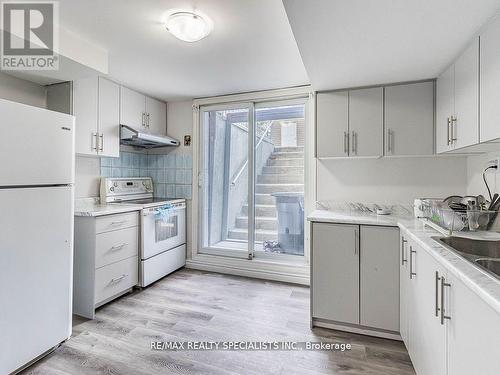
x: 251, y: 47
x: 349, y: 43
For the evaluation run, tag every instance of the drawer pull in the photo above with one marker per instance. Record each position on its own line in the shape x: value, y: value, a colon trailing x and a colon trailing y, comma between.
x: 118, y: 247
x: 118, y: 222
x: 117, y: 280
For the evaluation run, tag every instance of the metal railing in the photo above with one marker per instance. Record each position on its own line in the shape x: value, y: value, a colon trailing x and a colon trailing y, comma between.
x: 245, y: 164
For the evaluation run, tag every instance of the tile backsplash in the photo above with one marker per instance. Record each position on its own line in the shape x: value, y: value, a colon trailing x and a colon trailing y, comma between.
x: 171, y: 174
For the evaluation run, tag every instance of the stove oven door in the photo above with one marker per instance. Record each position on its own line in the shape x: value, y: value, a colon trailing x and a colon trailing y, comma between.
x: 163, y: 228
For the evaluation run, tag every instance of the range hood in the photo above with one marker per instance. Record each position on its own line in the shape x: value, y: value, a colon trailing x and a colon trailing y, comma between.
x: 134, y: 137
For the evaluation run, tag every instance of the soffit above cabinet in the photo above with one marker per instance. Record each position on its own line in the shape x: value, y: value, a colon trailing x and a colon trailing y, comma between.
x: 77, y: 59
x: 360, y: 43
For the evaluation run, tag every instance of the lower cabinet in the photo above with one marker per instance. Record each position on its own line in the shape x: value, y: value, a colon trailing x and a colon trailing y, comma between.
x: 106, y: 263
x: 446, y: 327
x: 355, y: 278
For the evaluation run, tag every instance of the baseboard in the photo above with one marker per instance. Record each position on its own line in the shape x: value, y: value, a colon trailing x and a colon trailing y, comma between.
x: 362, y: 330
x: 257, y: 270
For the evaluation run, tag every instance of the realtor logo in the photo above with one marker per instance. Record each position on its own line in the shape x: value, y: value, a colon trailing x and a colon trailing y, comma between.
x: 29, y: 35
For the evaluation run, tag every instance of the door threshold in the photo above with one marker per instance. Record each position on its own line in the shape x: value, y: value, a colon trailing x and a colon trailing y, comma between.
x: 267, y: 269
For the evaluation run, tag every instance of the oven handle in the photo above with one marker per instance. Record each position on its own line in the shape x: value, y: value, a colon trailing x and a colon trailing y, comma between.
x: 154, y: 210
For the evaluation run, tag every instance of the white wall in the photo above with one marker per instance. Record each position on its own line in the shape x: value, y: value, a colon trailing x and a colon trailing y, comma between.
x: 475, y: 167
x: 87, y: 175
x: 179, y: 124
x: 22, y: 91
x: 390, y: 180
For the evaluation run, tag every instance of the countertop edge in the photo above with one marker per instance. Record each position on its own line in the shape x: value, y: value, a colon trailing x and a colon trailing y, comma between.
x: 454, y: 262
x: 482, y: 284
x: 107, y: 211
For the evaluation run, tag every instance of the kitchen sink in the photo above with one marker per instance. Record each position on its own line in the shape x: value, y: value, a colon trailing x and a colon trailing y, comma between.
x: 483, y: 253
x: 480, y: 248
x: 492, y: 265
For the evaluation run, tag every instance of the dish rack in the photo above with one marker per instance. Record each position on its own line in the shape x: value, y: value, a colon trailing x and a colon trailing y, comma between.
x: 438, y: 212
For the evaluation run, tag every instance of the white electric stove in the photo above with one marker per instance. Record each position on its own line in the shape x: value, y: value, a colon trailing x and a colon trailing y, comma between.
x: 163, y: 225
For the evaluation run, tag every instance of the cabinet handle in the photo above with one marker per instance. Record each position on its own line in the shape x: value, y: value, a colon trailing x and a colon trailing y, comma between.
x: 452, y: 132
x: 403, y: 260
x: 143, y: 120
x: 436, y: 302
x: 448, y: 130
x: 390, y: 148
x: 118, y: 247
x: 118, y: 222
x: 356, y: 242
x: 93, y: 142
x: 118, y: 279
x: 148, y: 120
x: 353, y: 143
x: 411, y: 263
x: 443, y: 284
x: 346, y: 143
x: 101, y: 142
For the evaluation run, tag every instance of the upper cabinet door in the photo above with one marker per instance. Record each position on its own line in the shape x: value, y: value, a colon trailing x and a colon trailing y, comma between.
x: 156, y: 112
x: 85, y: 111
x: 132, y: 108
x: 409, y: 119
x: 465, y: 122
x: 366, y: 122
x: 109, y: 118
x: 332, y: 124
x: 445, y: 103
x: 490, y: 82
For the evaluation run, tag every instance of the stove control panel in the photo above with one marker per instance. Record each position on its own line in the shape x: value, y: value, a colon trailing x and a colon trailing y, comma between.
x: 118, y: 189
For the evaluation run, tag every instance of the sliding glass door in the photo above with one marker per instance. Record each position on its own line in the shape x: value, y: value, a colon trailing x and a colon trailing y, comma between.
x: 252, y: 180
x: 224, y: 190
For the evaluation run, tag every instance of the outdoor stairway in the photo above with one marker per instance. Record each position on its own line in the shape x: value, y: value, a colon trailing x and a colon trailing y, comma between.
x: 284, y: 171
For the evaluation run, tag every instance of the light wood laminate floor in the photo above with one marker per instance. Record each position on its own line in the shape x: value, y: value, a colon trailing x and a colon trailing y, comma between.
x: 200, y: 306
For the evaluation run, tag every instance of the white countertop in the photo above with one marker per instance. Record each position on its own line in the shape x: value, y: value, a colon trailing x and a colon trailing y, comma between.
x: 94, y: 209
x: 326, y: 216
x: 485, y: 286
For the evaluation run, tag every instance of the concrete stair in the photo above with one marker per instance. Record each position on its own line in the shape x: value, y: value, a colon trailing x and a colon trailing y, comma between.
x: 284, y: 171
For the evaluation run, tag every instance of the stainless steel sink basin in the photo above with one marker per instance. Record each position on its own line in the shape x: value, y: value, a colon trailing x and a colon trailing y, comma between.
x: 482, y: 253
x: 480, y: 248
x: 492, y: 265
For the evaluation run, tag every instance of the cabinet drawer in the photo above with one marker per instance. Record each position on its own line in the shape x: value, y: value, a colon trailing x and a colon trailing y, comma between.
x: 115, y: 278
x: 116, y: 245
x: 115, y: 222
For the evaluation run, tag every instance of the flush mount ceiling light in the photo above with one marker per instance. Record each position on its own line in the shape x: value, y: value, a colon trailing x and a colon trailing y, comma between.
x: 188, y: 26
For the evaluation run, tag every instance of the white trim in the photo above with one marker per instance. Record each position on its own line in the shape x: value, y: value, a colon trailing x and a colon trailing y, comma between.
x: 356, y: 329
x: 256, y: 96
x: 256, y: 268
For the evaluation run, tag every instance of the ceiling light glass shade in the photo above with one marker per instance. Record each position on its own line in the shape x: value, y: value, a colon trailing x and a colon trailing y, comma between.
x: 188, y: 26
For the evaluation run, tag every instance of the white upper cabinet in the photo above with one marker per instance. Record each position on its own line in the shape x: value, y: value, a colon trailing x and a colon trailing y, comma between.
x: 132, y: 108
x: 366, y: 122
x: 457, y: 124
x: 142, y: 112
x: 96, y: 107
x: 332, y: 125
x: 351, y: 123
x: 109, y: 118
x: 465, y: 121
x: 409, y: 119
x: 445, y: 105
x: 156, y: 116
x: 490, y: 82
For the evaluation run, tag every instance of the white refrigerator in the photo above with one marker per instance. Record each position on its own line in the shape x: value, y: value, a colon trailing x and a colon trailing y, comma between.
x: 36, y: 232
